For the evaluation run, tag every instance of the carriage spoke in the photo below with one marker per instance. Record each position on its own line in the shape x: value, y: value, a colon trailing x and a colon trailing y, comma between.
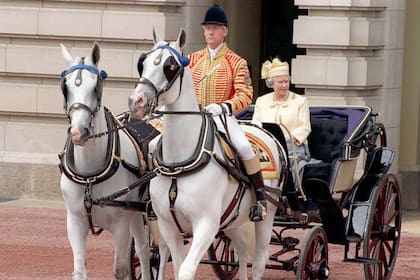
x: 384, y: 258
x: 391, y: 217
x: 373, y: 244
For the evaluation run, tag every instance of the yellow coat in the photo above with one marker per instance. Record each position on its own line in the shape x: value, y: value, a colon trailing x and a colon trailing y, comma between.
x: 230, y: 82
x: 292, y: 113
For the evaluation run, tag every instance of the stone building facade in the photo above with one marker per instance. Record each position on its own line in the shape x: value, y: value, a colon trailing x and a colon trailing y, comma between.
x: 357, y: 52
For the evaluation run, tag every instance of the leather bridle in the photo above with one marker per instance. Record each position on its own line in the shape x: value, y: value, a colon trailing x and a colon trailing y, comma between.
x: 173, y: 68
x: 101, y: 75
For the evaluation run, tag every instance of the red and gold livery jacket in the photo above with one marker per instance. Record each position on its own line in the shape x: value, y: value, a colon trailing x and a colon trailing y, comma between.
x: 230, y: 82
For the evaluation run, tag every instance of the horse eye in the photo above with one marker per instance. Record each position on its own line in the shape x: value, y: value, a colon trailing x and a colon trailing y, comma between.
x: 170, y: 68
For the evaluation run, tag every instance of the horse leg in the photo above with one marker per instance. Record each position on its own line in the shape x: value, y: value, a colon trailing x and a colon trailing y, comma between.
x: 203, y: 235
x: 77, y: 230
x: 164, y: 256
x: 174, y: 242
x: 263, y: 232
x: 121, y: 236
x: 240, y: 244
x: 141, y: 242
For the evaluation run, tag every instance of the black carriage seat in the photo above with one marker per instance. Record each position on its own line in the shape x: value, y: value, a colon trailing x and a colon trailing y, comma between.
x: 334, y: 140
x: 324, y: 144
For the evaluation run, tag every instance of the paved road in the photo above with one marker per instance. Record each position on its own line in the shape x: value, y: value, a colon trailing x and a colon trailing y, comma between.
x: 33, y: 245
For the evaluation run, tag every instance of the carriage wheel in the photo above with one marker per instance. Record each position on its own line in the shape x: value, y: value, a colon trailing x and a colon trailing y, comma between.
x: 313, y: 258
x: 134, y: 269
x: 222, y: 251
x: 384, y: 230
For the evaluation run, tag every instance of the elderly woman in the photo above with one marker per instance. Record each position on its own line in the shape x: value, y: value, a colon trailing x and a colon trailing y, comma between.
x: 286, y: 108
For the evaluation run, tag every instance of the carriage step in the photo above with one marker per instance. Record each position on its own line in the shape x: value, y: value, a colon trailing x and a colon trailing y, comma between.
x: 354, y: 238
x: 287, y: 242
x: 362, y: 260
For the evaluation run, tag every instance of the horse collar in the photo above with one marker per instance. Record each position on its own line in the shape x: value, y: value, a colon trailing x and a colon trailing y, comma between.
x: 109, y: 169
x: 200, y: 158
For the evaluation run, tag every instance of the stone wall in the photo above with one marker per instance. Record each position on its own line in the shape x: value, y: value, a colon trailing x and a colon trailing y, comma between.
x: 32, y: 124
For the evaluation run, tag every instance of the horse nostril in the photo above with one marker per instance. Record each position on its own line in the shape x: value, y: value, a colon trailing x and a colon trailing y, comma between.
x: 86, y: 132
x: 85, y: 135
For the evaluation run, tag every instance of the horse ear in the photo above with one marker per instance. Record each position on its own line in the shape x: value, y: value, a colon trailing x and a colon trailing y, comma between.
x: 155, y: 37
x: 96, y: 53
x: 65, y: 53
x: 182, y: 38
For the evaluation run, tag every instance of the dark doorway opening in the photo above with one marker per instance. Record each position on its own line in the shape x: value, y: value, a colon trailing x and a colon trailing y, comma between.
x: 277, y: 35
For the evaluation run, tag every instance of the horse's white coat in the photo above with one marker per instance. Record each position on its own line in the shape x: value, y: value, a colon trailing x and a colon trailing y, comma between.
x: 88, y: 157
x: 203, y: 195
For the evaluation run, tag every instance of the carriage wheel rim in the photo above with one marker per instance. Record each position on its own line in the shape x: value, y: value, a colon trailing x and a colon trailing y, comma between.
x: 313, y: 262
x: 384, y: 232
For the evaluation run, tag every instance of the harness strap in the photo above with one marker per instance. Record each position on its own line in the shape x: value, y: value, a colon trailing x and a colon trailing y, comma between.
x: 240, y: 191
x: 138, y: 171
x: 173, y: 193
x: 87, y: 201
x: 231, y: 166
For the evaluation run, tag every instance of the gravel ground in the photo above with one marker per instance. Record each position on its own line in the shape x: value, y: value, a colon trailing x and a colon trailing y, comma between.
x: 34, y: 246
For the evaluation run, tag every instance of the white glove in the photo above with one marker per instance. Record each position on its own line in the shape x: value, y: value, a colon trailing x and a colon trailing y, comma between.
x: 214, y: 109
x: 217, y: 109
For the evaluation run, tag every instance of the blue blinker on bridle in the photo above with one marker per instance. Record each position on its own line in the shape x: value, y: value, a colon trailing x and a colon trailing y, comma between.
x: 102, y: 74
x: 172, y: 69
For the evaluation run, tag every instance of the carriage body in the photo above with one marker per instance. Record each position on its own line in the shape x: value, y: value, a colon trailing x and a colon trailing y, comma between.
x: 358, y: 199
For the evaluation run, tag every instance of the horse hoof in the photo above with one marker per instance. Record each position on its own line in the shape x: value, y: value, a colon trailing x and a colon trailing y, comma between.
x: 79, y: 276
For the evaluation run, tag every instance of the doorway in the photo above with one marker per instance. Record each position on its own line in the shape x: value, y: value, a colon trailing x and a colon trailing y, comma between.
x: 277, y: 35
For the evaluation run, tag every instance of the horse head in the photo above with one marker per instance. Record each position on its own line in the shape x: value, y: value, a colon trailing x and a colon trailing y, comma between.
x: 162, y: 71
x: 82, y: 92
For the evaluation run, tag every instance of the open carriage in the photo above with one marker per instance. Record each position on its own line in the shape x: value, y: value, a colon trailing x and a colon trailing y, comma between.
x: 362, y: 211
x: 362, y: 214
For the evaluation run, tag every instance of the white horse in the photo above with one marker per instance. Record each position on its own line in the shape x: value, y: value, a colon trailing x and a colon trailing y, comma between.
x: 193, y: 189
x: 93, y: 167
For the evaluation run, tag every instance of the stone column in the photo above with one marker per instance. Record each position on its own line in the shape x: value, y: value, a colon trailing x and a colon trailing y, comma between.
x: 410, y: 113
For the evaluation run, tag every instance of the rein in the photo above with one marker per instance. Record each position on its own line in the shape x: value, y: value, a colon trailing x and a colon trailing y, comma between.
x: 160, y: 113
x: 156, y: 115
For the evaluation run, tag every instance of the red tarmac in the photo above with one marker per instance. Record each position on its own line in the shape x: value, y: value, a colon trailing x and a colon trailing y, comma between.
x: 34, y: 245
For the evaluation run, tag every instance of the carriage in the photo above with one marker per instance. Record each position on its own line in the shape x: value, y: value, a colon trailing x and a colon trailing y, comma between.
x: 361, y: 212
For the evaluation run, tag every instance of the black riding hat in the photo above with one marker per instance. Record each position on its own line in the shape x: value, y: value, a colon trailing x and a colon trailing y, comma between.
x: 215, y: 15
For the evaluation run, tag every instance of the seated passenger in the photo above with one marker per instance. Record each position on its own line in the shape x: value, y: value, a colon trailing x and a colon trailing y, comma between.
x: 286, y: 108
